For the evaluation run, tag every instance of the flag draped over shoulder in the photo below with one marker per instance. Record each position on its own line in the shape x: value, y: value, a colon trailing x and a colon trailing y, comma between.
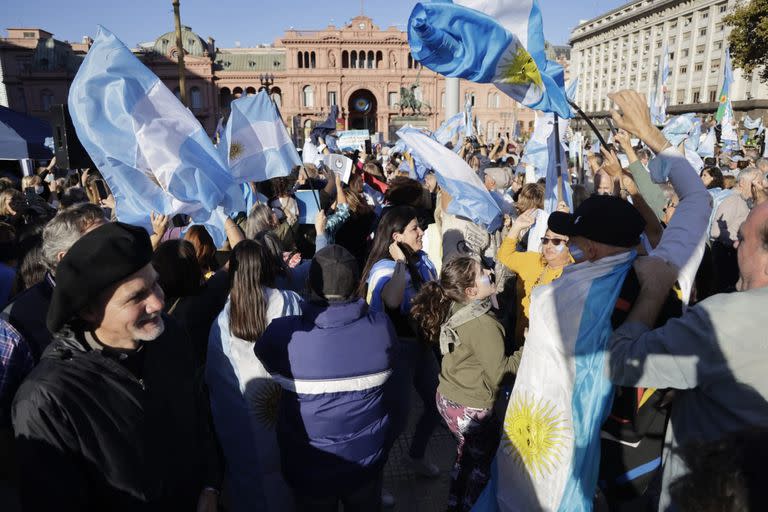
x: 500, y: 42
x: 549, y: 455
x: 151, y: 150
x: 255, y: 143
x: 470, y: 198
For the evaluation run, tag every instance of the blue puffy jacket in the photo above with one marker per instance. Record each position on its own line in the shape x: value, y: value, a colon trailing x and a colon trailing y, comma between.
x: 334, y: 365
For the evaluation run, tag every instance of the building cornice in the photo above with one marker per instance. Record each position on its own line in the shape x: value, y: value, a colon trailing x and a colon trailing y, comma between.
x: 620, y: 21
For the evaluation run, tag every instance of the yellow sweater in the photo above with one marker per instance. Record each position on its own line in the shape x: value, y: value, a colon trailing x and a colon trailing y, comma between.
x: 531, y: 270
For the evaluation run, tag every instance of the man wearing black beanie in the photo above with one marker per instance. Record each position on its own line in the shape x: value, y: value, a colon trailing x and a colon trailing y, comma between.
x: 111, y: 418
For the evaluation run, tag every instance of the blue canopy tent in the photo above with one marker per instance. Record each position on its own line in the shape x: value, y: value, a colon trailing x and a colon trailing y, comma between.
x: 19, y: 130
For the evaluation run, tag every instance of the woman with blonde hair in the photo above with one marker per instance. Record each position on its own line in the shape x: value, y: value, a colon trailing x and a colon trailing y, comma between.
x: 532, y: 268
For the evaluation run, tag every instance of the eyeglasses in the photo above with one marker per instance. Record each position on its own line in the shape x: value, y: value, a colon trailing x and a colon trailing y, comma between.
x: 553, y: 241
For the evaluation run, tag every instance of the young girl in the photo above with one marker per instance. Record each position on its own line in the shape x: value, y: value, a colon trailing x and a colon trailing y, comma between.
x: 395, y: 271
x: 243, y: 395
x: 455, y: 312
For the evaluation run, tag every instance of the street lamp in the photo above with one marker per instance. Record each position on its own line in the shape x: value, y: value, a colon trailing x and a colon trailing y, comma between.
x: 267, y: 80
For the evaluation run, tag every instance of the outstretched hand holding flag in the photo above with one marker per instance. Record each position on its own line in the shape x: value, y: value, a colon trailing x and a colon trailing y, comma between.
x: 151, y: 150
x: 500, y: 42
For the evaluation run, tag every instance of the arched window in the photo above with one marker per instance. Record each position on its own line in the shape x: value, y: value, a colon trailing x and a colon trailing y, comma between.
x: 277, y: 96
x: 379, y: 58
x: 308, y: 96
x: 410, y: 61
x: 237, y: 92
x: 496, y: 100
x: 370, y: 59
x: 472, y: 99
x: 46, y: 99
x: 353, y: 58
x: 301, y: 60
x: 250, y: 91
x: 312, y: 60
x: 225, y: 97
x: 361, y: 59
x: 195, y: 98
x: 345, y: 59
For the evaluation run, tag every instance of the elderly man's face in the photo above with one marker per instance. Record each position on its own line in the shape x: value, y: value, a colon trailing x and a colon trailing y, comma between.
x: 130, y: 310
x: 752, y: 255
x: 603, y: 184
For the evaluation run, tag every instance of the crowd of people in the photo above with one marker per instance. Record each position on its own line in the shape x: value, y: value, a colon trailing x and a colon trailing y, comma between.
x: 157, y: 371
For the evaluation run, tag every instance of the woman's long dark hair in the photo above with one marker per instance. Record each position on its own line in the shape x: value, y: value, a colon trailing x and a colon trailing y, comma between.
x: 251, y: 268
x: 394, y: 221
x: 717, y: 177
x: 432, y: 304
x: 178, y: 269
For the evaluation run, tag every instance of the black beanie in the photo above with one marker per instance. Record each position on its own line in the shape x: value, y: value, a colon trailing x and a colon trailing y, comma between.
x: 99, y: 259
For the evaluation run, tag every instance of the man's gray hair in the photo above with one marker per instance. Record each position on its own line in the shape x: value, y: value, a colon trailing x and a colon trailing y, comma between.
x: 748, y: 174
x: 66, y: 228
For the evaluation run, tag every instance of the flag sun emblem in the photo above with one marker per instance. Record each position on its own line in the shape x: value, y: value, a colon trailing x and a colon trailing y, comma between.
x: 535, y: 434
x: 235, y: 150
x: 265, y: 401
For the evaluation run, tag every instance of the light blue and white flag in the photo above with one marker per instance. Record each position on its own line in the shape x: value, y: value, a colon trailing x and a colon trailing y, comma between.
x: 219, y: 130
x: 694, y: 136
x: 419, y: 169
x: 753, y: 124
x: 500, y: 42
x: 450, y: 127
x: 570, y: 92
x: 549, y: 454
x: 707, y: 145
x: 255, y: 142
x: 536, y: 152
x: 470, y: 198
x: 151, y: 150
x: 552, y: 192
x: 659, y: 96
x: 677, y: 130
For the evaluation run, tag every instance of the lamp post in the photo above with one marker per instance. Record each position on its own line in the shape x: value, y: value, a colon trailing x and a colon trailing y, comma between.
x: 180, y: 51
x: 267, y: 81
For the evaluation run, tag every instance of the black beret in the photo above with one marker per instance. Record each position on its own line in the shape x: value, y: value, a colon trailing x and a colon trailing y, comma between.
x: 606, y: 219
x: 99, y: 259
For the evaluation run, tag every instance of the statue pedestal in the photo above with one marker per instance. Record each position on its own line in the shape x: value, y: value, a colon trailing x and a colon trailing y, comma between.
x: 397, y: 122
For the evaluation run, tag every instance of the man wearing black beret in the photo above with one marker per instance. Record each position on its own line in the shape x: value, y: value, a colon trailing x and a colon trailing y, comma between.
x: 111, y: 418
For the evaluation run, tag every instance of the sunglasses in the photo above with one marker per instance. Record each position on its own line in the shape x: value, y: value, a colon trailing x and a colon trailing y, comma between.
x: 553, y: 241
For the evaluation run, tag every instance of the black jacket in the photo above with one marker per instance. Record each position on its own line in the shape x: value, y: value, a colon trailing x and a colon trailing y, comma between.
x: 105, y: 430
x: 27, y: 314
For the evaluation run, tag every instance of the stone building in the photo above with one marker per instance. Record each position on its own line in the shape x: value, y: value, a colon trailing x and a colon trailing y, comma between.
x: 359, y: 67
x: 621, y: 50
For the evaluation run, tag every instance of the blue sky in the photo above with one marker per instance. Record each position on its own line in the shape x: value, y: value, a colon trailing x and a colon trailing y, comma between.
x: 250, y: 22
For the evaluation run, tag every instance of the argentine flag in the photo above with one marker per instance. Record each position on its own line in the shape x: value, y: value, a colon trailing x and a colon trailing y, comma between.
x: 549, y: 454
x: 470, y: 198
x: 255, y: 143
x: 499, y: 42
x: 659, y: 101
x: 450, y: 127
x: 151, y: 150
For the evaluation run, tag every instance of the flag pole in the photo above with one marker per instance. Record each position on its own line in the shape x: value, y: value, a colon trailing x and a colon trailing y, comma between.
x: 560, y: 194
x: 589, y: 122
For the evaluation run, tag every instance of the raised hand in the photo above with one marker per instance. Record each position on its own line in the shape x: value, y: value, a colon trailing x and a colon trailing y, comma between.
x: 632, y: 115
x: 611, y: 164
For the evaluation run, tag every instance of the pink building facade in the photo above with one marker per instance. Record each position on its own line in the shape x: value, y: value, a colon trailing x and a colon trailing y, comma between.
x: 358, y: 67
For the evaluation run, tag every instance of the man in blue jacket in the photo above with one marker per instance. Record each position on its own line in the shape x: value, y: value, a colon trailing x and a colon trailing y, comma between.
x: 334, y: 363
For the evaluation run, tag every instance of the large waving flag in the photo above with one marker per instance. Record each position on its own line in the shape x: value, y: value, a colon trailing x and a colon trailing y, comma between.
x: 725, y: 92
x: 470, y: 198
x: 659, y: 96
x: 499, y: 42
x: 468, y: 121
x: 151, y: 150
x: 255, y: 143
x: 450, y: 127
x: 549, y: 455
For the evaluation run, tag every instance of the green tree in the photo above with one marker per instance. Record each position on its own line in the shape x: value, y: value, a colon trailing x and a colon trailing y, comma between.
x: 749, y: 37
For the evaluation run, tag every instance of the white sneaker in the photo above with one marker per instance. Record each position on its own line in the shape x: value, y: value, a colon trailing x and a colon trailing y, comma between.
x: 424, y: 467
x: 387, y: 500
